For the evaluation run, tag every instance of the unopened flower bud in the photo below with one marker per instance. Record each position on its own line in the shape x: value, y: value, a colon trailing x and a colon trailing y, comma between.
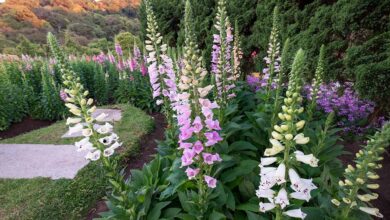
x: 278, y: 128
x: 276, y: 135
x: 360, y: 180
x: 284, y: 127
x: 348, y: 182
x: 287, y: 117
x: 90, y: 101
x: 288, y: 137
x: 281, y: 116
x: 300, y: 124
x: 373, y: 186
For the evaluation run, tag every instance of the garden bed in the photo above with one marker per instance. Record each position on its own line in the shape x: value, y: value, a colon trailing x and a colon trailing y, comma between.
x: 148, y: 145
x: 26, y: 125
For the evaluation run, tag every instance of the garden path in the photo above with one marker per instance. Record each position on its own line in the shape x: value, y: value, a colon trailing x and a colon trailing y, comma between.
x: 40, y: 160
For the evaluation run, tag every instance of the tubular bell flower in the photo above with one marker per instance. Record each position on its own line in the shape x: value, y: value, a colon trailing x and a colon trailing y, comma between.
x: 358, y: 179
x: 286, y: 140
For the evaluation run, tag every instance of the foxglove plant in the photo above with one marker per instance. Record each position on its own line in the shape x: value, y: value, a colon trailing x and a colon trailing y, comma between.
x: 160, y: 66
x: 223, y: 74
x: 237, y: 53
x: 197, y: 126
x: 272, y: 60
x: 99, y: 140
x: 282, y: 183
x: 317, y: 81
x: 355, y: 190
x: 280, y: 80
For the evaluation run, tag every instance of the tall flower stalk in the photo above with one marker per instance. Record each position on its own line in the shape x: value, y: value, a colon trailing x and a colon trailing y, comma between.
x: 280, y: 81
x: 272, y: 60
x: 221, y: 64
x: 317, y: 81
x: 280, y: 184
x: 355, y: 190
x: 198, y: 129
x: 160, y: 67
x: 99, y: 140
x: 237, y: 53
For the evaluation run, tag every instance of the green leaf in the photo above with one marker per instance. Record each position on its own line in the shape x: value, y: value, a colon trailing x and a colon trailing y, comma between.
x: 217, y: 216
x: 245, y: 167
x: 155, y: 213
x: 253, y: 207
x: 170, y: 213
x: 241, y: 145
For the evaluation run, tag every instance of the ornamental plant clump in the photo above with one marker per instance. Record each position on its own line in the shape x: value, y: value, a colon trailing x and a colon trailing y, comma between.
x: 281, y: 185
x: 355, y: 190
x: 100, y: 142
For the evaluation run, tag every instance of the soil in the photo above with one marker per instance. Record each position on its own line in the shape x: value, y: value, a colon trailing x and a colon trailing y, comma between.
x: 383, y: 202
x: 26, y: 125
x: 148, y: 147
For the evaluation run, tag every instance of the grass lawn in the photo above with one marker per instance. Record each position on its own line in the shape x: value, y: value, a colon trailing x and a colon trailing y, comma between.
x: 43, y: 198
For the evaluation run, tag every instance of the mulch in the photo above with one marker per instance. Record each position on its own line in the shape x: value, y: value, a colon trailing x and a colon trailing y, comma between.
x: 148, y: 147
x: 383, y: 202
x: 26, y: 125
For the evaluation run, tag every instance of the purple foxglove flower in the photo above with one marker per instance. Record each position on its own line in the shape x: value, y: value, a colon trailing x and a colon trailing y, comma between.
x: 197, y: 124
x: 211, y: 182
x: 212, y: 124
x: 118, y: 49
x: 212, y: 138
x: 191, y: 173
x: 198, y: 147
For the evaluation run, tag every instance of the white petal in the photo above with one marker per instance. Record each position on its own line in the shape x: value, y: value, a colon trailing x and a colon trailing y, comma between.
x: 295, y: 213
x: 371, y: 211
x: 265, y: 161
x: 264, y: 207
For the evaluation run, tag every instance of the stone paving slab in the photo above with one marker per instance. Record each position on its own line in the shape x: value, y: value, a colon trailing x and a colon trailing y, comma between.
x: 40, y: 160
x: 113, y: 115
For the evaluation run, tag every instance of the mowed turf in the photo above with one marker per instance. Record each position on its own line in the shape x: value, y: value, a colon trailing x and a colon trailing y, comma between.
x: 43, y: 198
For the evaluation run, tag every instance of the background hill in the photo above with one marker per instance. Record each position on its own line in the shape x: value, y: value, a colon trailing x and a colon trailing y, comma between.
x: 77, y: 22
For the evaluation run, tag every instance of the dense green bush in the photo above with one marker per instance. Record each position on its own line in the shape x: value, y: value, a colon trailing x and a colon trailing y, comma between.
x: 12, y: 103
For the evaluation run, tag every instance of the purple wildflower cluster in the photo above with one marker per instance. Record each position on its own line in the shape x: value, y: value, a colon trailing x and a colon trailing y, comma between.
x: 134, y: 62
x: 259, y: 82
x: 345, y: 102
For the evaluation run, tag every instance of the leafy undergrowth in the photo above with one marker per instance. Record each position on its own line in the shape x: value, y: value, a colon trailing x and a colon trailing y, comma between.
x: 43, y: 198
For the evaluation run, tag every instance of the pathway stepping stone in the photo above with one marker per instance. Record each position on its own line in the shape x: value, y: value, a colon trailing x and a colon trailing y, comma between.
x: 40, y: 160
x: 113, y: 115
